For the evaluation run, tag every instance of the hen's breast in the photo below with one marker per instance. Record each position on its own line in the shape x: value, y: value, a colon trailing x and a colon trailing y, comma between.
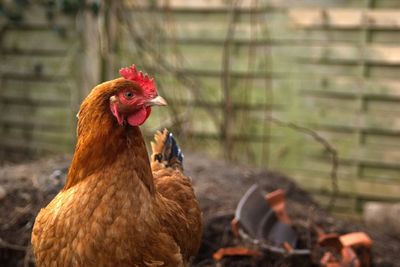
x: 100, y: 223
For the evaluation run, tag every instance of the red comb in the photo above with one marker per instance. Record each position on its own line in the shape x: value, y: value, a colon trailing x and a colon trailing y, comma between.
x: 145, y: 82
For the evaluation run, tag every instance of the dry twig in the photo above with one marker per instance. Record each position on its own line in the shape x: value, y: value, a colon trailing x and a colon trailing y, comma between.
x: 28, y: 255
x: 5, y: 244
x: 226, y: 83
x: 328, y: 147
x: 163, y: 66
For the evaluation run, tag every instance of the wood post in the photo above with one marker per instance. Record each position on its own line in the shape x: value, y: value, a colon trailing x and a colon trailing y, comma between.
x: 91, y: 52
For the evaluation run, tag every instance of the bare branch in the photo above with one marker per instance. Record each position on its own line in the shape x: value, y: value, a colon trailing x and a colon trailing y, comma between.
x: 226, y: 84
x: 5, y: 244
x: 328, y: 147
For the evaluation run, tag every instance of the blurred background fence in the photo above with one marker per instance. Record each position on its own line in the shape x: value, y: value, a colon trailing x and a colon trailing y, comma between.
x: 225, y: 67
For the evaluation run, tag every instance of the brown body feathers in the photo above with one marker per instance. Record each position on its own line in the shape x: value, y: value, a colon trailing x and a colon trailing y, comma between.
x: 117, y: 208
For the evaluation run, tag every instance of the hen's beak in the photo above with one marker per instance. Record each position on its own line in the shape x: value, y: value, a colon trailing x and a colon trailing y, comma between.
x: 157, y: 101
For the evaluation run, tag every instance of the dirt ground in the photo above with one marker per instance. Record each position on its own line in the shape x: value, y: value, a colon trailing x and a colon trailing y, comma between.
x: 218, y: 185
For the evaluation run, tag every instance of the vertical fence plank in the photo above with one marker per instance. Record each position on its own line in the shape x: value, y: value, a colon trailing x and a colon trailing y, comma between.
x: 91, y: 49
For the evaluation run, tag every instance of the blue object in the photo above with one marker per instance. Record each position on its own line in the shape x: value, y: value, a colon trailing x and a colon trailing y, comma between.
x: 171, y: 153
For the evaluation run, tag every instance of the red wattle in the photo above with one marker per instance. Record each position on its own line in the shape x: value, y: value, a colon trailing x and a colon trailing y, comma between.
x: 114, y: 110
x: 139, y: 117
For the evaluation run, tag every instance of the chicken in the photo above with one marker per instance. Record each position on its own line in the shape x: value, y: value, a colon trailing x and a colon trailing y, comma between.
x: 118, y: 208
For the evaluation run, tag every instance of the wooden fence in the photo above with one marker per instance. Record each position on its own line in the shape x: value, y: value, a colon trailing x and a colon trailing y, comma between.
x: 37, y: 85
x: 225, y: 69
x: 355, y: 97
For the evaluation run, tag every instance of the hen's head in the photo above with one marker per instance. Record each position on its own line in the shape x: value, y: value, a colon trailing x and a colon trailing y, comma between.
x: 134, y: 96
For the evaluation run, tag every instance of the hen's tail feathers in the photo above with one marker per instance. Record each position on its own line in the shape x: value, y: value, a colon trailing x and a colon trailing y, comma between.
x: 166, y: 150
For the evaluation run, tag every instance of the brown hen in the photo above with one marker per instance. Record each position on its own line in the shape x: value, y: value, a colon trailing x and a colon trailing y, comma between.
x: 116, y: 208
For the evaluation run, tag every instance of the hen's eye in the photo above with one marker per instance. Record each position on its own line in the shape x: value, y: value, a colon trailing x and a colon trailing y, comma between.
x: 128, y: 94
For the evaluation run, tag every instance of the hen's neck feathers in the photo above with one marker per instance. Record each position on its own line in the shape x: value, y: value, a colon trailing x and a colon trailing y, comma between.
x: 102, y: 143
